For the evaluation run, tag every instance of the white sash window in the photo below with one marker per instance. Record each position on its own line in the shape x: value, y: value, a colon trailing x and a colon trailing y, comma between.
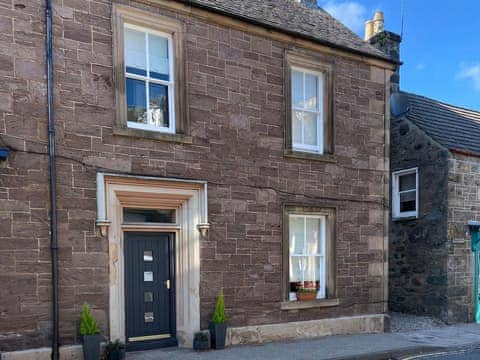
x: 405, y: 193
x: 149, y: 79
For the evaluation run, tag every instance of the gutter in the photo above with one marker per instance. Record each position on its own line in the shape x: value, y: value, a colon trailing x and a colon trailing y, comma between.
x: 465, y: 152
x: 53, y: 180
x: 286, y: 31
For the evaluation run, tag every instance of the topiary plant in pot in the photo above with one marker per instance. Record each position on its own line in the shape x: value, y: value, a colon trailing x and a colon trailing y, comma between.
x: 90, y: 335
x: 218, y: 325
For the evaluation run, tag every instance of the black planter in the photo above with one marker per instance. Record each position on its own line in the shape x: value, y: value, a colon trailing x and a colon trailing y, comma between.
x: 199, y: 345
x: 118, y: 354
x: 218, y: 335
x: 91, y: 347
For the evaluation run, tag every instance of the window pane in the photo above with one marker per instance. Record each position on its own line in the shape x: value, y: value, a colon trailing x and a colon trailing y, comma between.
x: 297, y: 89
x: 148, y: 276
x: 314, y: 246
x: 135, y: 53
x: 305, y: 270
x: 149, y: 216
x: 312, y: 271
x: 407, y: 182
x: 136, y: 101
x: 310, y: 129
x: 311, y: 94
x: 148, y: 256
x: 149, y: 317
x: 159, y: 105
x: 297, y: 127
x: 297, y: 264
x: 158, y: 57
x: 297, y: 235
x: 408, y: 201
x: 148, y: 296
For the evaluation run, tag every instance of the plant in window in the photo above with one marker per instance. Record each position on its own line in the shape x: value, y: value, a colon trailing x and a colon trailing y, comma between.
x: 90, y: 334
x: 218, y: 325
x: 306, y: 293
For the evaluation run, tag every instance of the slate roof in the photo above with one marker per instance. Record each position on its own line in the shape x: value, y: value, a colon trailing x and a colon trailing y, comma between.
x: 296, y: 19
x: 453, y: 127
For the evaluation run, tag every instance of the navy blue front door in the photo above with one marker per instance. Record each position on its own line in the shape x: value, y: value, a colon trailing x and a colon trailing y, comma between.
x: 149, y: 290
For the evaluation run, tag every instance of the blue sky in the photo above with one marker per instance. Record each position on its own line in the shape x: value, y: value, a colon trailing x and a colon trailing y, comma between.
x: 440, y: 48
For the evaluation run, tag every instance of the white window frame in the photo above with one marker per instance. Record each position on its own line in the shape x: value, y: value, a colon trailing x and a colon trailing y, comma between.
x: 169, y: 84
x: 319, y: 149
x: 322, y: 254
x: 396, y: 213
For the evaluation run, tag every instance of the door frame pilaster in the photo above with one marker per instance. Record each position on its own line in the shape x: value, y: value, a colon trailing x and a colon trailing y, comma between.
x: 189, y: 198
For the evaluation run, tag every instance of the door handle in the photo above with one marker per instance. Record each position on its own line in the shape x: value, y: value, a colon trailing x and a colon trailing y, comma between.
x: 167, y: 283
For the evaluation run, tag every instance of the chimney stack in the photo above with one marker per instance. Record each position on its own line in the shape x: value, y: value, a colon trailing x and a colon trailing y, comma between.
x: 386, y: 41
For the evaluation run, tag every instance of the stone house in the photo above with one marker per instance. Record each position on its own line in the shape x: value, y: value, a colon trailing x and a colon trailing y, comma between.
x: 199, y: 145
x: 435, y: 164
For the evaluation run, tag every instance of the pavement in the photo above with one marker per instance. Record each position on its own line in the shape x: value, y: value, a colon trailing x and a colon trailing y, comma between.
x: 398, y: 346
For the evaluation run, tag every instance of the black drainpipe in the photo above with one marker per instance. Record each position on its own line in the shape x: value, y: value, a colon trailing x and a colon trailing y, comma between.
x: 53, y: 190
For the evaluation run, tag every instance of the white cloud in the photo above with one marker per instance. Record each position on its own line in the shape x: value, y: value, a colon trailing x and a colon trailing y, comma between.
x: 470, y: 72
x: 350, y: 13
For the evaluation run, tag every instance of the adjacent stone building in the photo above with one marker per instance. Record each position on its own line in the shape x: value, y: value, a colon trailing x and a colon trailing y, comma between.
x: 200, y: 145
x: 435, y: 164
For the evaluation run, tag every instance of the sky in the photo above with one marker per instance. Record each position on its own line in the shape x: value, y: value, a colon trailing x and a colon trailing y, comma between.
x: 440, y: 48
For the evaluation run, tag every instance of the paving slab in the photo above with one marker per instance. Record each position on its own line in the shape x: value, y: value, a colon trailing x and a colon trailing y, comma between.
x: 366, y: 346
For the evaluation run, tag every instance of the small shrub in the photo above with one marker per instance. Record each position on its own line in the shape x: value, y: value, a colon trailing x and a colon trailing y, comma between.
x: 114, y: 346
x: 88, y: 325
x: 201, y: 336
x: 219, y: 316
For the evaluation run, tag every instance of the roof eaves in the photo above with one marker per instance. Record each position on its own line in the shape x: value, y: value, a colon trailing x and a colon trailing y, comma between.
x: 465, y: 152
x: 288, y: 32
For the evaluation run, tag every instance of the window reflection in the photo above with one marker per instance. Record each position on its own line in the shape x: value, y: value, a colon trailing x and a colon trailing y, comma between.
x: 148, y: 276
x: 148, y: 256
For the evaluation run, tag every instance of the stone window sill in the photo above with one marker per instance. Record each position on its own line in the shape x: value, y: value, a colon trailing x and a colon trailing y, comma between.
x: 406, y: 218
x: 145, y: 134
x: 299, y: 305
x: 294, y: 154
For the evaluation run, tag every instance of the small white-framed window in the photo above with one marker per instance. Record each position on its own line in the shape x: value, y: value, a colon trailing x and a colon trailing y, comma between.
x: 307, y: 110
x: 405, y: 193
x: 307, y: 256
x: 149, y: 79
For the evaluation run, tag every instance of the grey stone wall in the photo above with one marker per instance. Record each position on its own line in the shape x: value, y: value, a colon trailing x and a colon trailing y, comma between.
x: 463, y: 205
x: 417, y: 250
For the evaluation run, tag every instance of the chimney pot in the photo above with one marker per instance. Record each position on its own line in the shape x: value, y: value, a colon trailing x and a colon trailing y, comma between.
x: 379, y: 16
x: 374, y: 26
x: 378, y: 22
x: 368, y: 29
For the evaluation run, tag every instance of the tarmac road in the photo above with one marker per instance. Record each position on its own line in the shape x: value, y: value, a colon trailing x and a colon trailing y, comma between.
x: 456, y: 355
